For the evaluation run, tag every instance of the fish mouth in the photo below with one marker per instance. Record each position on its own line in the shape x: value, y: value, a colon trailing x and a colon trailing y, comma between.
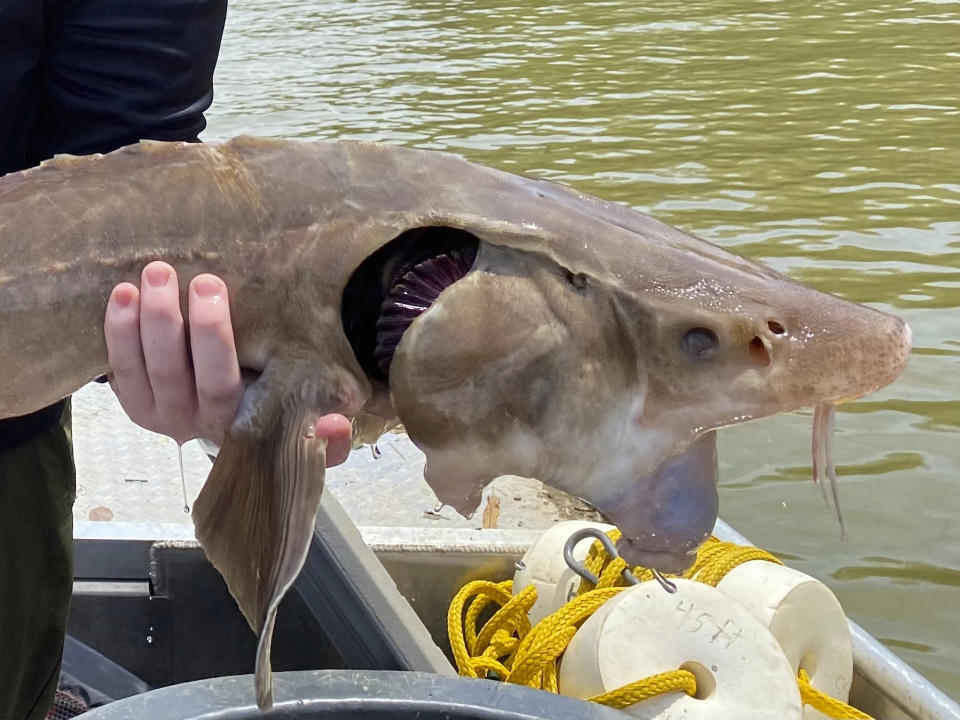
x: 664, y: 516
x: 672, y: 561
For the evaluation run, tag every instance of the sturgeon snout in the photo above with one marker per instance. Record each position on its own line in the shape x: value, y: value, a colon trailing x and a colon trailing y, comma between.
x: 839, y: 354
x: 793, y: 348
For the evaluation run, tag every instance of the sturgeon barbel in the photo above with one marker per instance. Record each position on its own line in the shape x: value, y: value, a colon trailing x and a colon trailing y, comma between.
x: 512, y: 325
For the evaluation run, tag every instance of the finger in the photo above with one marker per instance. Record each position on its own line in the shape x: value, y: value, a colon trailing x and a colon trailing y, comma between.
x: 164, y: 341
x: 338, y: 432
x: 219, y: 384
x: 121, y: 328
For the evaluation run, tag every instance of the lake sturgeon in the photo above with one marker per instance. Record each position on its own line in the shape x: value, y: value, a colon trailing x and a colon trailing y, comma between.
x: 512, y: 325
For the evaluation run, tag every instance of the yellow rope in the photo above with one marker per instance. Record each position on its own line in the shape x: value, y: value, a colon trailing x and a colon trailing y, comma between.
x: 716, y: 558
x: 547, y: 641
x: 472, y: 658
x: 829, y: 706
x: 649, y: 687
x: 507, y: 648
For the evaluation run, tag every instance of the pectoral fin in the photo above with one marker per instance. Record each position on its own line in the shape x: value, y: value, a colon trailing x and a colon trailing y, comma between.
x: 255, y: 515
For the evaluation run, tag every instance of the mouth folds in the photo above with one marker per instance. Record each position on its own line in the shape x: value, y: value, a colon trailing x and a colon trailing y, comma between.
x: 665, y: 515
x: 672, y: 561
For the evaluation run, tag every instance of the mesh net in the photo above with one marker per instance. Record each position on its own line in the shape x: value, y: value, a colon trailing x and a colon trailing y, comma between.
x: 65, y: 706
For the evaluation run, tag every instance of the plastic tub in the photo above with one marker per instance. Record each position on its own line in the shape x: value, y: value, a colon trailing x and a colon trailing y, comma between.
x: 353, y: 695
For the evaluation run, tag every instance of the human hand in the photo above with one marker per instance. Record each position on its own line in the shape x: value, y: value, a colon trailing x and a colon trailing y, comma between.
x: 166, y: 388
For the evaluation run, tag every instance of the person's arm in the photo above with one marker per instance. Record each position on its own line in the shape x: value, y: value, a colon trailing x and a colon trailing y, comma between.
x: 120, y: 71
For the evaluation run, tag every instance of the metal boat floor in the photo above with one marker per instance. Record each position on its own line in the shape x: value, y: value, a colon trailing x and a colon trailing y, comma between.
x: 125, y: 473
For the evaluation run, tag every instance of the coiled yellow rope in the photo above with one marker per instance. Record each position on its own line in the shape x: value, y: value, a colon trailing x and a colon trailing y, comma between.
x: 831, y: 707
x: 507, y: 648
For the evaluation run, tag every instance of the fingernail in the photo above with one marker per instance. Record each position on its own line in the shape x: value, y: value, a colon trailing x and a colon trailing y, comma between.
x: 122, y: 297
x: 157, y: 275
x: 207, y: 287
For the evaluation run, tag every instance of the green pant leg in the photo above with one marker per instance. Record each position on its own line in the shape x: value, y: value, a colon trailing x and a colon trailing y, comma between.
x: 37, y: 481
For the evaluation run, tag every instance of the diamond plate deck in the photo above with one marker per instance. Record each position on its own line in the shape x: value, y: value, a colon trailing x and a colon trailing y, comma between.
x: 134, y: 474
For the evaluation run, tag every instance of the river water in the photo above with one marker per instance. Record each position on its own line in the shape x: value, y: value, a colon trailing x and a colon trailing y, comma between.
x: 820, y: 138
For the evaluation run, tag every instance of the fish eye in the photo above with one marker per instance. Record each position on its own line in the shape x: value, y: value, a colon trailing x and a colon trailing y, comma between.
x: 700, y: 343
x: 578, y: 280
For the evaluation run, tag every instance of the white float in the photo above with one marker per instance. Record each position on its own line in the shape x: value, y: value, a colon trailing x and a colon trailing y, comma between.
x: 806, y: 619
x: 740, y: 669
x: 543, y: 567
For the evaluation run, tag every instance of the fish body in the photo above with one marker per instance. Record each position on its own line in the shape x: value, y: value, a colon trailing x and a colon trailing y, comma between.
x: 512, y: 325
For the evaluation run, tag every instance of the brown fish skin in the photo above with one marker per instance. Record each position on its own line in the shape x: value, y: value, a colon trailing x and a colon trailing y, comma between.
x: 590, y: 346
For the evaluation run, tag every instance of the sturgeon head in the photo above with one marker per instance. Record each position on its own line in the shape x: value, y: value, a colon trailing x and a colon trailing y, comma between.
x: 597, y: 350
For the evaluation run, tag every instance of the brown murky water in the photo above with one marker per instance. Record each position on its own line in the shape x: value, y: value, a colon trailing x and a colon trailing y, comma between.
x: 820, y: 138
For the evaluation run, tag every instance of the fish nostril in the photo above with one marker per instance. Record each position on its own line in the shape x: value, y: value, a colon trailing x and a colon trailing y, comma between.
x: 776, y: 328
x: 758, y: 351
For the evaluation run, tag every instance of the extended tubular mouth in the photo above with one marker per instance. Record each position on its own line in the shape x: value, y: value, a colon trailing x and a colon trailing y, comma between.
x: 672, y: 562
x: 665, y: 516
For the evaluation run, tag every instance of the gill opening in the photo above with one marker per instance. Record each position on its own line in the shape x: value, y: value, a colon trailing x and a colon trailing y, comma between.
x: 368, y: 292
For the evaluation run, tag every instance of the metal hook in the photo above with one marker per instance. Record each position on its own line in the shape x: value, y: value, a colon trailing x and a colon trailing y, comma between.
x: 667, y: 585
x: 608, y: 545
x: 611, y: 550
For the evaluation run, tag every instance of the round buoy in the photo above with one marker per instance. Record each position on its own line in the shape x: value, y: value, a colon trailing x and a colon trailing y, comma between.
x: 806, y: 619
x: 739, y: 666
x: 543, y: 567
